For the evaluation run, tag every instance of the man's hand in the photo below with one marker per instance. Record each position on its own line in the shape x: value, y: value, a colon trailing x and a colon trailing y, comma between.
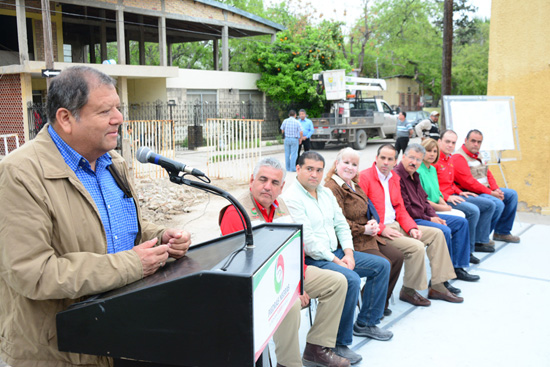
x: 498, y: 194
x: 151, y: 257
x: 348, y: 259
x: 416, y: 233
x: 467, y: 194
x: 438, y: 220
x: 372, y: 227
x: 391, y: 233
x: 304, y: 299
x: 178, y: 241
x: 455, y: 200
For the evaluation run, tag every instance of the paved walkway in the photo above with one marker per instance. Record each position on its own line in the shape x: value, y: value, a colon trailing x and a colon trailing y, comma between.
x: 502, y: 321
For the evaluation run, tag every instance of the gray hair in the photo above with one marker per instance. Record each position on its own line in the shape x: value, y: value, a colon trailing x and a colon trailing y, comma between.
x: 415, y: 148
x: 71, y: 89
x: 269, y: 162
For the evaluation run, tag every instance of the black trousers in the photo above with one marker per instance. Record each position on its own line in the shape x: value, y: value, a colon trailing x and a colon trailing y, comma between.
x: 401, y: 144
x: 307, y: 147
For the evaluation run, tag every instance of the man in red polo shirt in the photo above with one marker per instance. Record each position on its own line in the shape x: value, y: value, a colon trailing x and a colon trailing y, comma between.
x: 472, y: 174
x: 329, y: 287
x: 478, y: 211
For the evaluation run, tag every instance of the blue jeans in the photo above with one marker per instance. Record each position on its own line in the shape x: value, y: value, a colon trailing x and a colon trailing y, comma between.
x: 457, y: 236
x: 377, y: 271
x: 505, y: 212
x: 291, y: 153
x: 481, y: 208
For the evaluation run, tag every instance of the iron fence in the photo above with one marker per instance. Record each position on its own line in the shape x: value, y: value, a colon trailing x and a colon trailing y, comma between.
x: 187, y: 114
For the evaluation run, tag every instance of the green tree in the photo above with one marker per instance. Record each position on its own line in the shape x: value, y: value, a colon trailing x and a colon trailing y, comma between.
x: 287, y: 66
x: 471, y: 62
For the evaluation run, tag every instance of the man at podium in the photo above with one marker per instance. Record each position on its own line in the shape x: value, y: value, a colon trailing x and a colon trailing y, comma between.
x: 70, y: 224
x: 264, y: 205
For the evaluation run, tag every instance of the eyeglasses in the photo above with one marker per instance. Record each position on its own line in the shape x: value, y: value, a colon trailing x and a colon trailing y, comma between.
x: 414, y: 159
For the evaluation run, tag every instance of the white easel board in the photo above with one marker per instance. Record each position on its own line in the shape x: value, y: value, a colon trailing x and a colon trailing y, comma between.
x: 494, y: 116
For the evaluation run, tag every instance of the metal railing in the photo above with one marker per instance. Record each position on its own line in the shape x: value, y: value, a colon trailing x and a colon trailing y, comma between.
x: 157, y: 135
x: 234, y: 147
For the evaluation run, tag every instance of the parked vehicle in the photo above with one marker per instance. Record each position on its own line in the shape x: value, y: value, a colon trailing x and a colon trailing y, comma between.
x: 414, y: 117
x: 356, y: 120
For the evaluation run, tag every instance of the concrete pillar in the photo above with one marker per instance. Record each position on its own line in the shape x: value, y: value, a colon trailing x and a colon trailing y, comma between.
x: 128, y: 56
x: 225, y: 48
x: 120, y: 36
x: 26, y: 93
x: 141, y: 41
x: 92, y: 46
x: 22, y: 31
x: 162, y: 41
x: 273, y: 38
x: 215, y: 54
x: 103, y: 36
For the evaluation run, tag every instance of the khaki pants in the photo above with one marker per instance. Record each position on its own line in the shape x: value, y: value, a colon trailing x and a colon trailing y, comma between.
x: 329, y: 287
x: 413, y: 250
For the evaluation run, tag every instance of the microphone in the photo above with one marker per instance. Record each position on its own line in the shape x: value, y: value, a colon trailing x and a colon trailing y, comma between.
x: 146, y: 155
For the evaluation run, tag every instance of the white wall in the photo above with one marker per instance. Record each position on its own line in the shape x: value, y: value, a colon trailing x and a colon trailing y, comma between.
x: 210, y: 79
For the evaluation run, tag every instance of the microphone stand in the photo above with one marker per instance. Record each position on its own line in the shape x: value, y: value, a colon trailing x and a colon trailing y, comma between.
x: 181, y: 180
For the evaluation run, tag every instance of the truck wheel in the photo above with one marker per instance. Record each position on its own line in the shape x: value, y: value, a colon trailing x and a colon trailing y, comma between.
x: 361, y: 141
x: 317, y: 145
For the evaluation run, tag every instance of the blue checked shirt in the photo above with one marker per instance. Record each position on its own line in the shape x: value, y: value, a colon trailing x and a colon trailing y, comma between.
x: 291, y: 127
x: 118, y: 213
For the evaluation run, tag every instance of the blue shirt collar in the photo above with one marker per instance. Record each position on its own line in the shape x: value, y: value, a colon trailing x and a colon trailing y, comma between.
x: 73, y: 158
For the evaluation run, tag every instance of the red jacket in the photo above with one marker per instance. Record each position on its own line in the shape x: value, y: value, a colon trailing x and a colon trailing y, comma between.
x: 464, y: 178
x: 371, y: 185
x: 446, y: 176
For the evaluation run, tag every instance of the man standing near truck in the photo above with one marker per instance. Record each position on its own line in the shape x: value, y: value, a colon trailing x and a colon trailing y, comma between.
x: 307, y: 127
x: 293, y: 132
x: 404, y: 133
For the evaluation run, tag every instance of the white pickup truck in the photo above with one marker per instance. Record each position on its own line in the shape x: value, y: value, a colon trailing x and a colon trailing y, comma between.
x: 352, y: 122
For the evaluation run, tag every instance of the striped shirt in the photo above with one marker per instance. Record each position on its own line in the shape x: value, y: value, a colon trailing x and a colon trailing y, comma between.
x: 403, y: 128
x: 118, y: 213
x: 292, y: 128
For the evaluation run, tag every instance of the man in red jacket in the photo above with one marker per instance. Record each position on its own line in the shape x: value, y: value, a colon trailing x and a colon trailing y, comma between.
x: 472, y: 174
x: 396, y: 225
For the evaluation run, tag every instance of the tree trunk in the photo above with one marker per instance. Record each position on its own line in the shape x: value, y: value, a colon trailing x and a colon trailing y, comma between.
x: 447, y: 54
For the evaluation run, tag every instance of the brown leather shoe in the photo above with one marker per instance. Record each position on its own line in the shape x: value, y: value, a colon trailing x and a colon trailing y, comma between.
x: 506, y: 238
x: 318, y: 356
x: 447, y: 296
x: 416, y: 299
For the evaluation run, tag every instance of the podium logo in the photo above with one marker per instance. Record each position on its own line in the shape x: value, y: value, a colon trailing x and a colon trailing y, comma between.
x: 279, y: 273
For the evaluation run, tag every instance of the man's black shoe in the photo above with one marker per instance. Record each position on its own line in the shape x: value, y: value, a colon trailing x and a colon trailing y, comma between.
x: 465, y: 276
x: 474, y: 260
x: 484, y: 248
x: 451, y: 289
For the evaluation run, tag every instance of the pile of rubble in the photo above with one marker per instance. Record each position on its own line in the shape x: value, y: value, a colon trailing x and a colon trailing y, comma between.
x: 161, y: 200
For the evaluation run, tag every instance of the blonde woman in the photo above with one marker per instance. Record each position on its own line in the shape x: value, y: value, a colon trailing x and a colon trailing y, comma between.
x: 342, y: 180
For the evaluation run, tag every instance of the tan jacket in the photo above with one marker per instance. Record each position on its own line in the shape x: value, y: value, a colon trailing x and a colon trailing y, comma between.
x: 53, y: 252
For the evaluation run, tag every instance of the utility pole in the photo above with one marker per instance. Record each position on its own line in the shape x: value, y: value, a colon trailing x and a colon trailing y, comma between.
x: 47, y: 29
x: 447, y: 54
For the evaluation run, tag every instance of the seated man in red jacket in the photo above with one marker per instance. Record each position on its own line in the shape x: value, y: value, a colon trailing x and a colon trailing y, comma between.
x: 329, y: 287
x: 472, y: 174
x: 399, y: 229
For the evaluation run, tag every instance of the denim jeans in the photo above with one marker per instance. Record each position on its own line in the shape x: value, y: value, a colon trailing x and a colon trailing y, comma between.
x: 377, y: 271
x: 291, y: 153
x: 483, y: 210
x: 505, y: 212
x: 457, y: 235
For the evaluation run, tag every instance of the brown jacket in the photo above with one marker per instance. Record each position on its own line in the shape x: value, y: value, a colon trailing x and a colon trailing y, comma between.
x: 354, y: 206
x: 53, y: 252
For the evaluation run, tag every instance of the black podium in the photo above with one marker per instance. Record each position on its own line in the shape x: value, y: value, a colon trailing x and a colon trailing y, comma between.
x: 191, y: 313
